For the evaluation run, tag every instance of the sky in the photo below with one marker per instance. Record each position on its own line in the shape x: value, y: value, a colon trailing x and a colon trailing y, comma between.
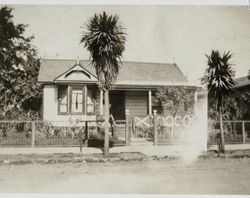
x: 163, y: 33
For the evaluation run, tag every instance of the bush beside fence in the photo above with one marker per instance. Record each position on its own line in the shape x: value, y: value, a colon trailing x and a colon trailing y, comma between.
x: 235, y: 132
x: 42, y: 133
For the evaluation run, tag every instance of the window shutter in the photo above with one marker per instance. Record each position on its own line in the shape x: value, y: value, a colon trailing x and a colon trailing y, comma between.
x: 62, y: 99
x: 84, y: 105
x: 70, y: 99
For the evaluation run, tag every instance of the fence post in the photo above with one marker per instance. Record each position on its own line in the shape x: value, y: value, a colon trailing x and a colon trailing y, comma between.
x: 172, y: 128
x: 33, y: 133
x: 127, y: 128
x: 80, y: 138
x: 155, y: 127
x: 86, y: 133
x: 243, y: 132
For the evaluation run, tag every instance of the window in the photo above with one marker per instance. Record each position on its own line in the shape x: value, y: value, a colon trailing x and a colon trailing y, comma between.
x: 91, y: 104
x: 62, y: 99
x: 156, y: 105
x: 71, y: 100
x: 77, y: 100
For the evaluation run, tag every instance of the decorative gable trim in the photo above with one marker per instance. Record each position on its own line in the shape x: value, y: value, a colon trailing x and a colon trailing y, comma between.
x: 76, y: 74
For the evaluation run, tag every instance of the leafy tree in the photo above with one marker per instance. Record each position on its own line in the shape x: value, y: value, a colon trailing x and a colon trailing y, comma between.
x: 231, y: 108
x: 245, y: 103
x: 245, y: 99
x: 171, y: 98
x: 19, y: 67
x: 105, y: 40
x: 219, y: 80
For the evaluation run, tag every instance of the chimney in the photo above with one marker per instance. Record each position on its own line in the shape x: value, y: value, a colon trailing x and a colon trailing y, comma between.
x: 173, y: 60
x: 77, y: 60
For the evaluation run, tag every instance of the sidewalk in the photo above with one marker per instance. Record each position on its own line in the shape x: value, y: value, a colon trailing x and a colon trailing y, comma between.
x: 43, y: 155
x: 232, y: 147
x: 147, y: 150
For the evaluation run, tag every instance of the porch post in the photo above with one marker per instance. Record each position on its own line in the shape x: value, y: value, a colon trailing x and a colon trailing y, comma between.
x: 101, y: 102
x: 127, y: 135
x: 149, y: 102
x: 243, y: 132
x: 155, y: 127
x: 33, y: 134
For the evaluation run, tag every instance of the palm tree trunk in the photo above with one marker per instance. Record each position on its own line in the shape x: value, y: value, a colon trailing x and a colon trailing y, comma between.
x: 106, y: 118
x: 222, y: 140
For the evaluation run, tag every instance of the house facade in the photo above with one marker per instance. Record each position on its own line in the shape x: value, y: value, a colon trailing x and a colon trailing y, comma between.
x: 70, y: 89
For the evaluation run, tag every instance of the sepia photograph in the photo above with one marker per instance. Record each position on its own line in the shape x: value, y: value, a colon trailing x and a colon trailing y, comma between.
x: 125, y: 98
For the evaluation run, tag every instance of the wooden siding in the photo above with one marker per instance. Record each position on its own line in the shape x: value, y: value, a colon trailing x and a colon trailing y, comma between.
x: 50, y: 104
x: 136, y: 102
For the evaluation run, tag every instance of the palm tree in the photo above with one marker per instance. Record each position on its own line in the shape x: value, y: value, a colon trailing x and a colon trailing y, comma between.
x: 219, y: 80
x: 105, y: 40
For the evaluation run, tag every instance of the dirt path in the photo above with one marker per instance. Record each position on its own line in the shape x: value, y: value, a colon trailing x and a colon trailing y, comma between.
x: 206, y: 176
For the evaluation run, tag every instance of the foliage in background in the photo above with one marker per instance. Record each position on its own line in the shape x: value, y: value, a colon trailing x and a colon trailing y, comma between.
x: 20, y: 93
x: 171, y: 99
x: 245, y: 103
x: 235, y: 107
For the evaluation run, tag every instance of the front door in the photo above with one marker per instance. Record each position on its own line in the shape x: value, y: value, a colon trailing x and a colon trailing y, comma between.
x: 117, y: 102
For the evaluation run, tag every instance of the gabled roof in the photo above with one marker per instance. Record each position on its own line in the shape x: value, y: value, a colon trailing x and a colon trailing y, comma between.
x: 131, y: 73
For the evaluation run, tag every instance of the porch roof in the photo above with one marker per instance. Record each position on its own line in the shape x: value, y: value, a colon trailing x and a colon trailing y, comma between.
x: 131, y: 73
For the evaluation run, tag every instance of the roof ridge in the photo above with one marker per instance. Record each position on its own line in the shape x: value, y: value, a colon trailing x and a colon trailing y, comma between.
x: 71, y: 59
x: 242, y: 77
x: 63, y: 59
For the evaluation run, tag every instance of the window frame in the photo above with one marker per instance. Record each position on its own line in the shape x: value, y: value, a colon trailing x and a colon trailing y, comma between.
x: 83, y: 88
x: 69, y: 89
x: 157, y: 107
x: 92, y: 91
x: 58, y: 102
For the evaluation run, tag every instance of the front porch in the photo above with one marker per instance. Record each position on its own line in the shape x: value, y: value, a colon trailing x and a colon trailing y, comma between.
x: 139, y: 102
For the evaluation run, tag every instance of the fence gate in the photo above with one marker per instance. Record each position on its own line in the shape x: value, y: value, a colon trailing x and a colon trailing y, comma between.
x: 119, y: 131
x: 141, y: 129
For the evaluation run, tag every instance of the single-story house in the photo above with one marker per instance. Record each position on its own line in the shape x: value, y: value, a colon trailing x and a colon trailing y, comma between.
x: 70, y: 88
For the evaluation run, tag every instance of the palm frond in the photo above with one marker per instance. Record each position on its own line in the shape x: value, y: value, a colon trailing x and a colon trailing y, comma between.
x: 218, y: 75
x: 105, y: 39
